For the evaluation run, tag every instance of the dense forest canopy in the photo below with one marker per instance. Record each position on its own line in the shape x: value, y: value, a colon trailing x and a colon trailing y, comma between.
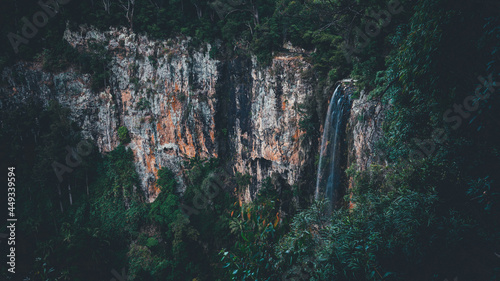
x: 431, y: 212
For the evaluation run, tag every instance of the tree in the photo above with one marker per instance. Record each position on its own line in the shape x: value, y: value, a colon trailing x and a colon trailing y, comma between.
x: 129, y: 7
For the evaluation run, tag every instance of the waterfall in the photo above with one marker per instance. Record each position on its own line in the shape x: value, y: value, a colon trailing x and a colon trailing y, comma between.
x: 329, y: 172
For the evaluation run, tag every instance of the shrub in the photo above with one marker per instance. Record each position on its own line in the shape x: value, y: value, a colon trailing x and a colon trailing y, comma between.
x: 123, y: 135
x: 143, y: 104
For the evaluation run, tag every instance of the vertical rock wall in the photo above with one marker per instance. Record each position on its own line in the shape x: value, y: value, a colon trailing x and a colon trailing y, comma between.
x: 264, y: 119
x: 364, y: 131
x: 177, y: 103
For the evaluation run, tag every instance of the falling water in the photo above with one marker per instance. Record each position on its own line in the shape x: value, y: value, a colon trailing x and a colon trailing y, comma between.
x: 329, y: 173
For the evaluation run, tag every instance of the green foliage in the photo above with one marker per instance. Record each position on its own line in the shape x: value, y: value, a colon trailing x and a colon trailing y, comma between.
x: 390, y: 233
x: 92, y: 212
x: 257, y: 227
x: 178, y: 242
x: 123, y: 135
x: 95, y: 61
x: 166, y: 180
x: 153, y: 61
x: 165, y: 208
x: 481, y: 190
x: 143, y: 104
x: 152, y: 242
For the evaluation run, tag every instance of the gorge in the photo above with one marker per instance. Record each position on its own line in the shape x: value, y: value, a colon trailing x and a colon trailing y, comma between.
x: 250, y: 140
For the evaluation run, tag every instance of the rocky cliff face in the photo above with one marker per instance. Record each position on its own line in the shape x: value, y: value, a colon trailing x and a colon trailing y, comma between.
x: 177, y: 103
x: 262, y: 117
x: 364, y: 130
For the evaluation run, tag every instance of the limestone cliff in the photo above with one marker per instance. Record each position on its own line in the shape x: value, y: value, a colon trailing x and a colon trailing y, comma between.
x: 177, y: 103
